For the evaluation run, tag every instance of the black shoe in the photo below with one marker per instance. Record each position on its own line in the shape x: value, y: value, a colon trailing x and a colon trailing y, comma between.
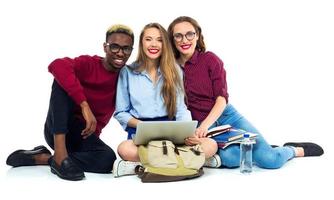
x: 68, y: 170
x: 25, y: 157
x: 310, y: 149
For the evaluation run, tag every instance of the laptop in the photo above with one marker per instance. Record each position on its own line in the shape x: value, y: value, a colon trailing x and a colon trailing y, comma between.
x: 175, y: 131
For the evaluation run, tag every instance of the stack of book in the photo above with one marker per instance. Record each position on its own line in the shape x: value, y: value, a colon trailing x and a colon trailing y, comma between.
x: 225, y: 135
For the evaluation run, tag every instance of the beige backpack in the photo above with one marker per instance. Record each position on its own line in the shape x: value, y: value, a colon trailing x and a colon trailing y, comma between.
x: 163, y: 161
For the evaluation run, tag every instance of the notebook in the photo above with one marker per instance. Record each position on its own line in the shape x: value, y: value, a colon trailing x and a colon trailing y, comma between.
x: 175, y: 131
x: 218, y: 130
x: 230, y: 135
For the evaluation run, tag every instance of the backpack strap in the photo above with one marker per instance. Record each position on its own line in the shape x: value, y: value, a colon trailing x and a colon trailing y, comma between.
x: 176, y: 150
x: 164, y: 147
x: 196, y: 152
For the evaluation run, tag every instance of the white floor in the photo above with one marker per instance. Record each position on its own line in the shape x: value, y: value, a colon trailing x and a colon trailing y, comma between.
x: 302, y: 178
x: 308, y: 178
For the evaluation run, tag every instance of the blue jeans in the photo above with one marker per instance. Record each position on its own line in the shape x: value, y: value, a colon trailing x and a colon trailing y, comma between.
x: 264, y: 155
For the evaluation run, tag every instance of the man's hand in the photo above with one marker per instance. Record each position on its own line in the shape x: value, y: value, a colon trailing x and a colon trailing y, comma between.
x: 90, y: 120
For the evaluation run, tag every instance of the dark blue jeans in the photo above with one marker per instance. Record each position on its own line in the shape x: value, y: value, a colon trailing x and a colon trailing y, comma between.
x: 90, y: 154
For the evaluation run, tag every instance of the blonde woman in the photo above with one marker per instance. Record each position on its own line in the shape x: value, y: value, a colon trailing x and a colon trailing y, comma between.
x: 150, y: 89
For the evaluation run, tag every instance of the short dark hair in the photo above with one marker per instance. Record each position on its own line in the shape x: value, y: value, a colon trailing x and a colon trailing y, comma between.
x: 120, y: 28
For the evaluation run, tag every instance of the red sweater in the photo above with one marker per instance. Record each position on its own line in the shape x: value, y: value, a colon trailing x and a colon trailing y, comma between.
x: 84, y: 78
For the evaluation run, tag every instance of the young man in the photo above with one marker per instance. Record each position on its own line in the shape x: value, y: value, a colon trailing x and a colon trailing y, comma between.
x: 81, y: 104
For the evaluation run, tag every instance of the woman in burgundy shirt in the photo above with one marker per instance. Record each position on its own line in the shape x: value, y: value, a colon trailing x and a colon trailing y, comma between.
x: 207, y: 99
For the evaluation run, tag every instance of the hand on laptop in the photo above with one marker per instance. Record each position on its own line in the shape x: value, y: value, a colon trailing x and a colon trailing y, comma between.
x: 190, y: 141
x: 201, y: 132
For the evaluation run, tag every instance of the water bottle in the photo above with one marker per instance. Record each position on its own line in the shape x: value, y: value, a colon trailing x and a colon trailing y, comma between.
x: 246, y: 161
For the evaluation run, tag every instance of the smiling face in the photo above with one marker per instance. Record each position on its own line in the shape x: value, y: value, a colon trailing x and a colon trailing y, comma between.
x: 152, y: 43
x: 115, y: 60
x: 184, y: 38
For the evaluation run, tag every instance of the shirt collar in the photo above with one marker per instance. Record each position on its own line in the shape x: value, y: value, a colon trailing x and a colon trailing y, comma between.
x: 145, y: 72
x: 135, y: 65
x: 194, y: 57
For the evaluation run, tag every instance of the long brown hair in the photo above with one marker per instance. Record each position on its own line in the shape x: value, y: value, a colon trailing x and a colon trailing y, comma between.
x: 171, y: 77
x: 200, y: 46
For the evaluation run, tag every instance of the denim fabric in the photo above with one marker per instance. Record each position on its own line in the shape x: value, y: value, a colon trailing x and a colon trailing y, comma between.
x: 264, y: 155
x: 90, y: 154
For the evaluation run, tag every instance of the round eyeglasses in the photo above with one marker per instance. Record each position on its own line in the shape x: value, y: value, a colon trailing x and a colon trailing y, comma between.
x: 178, y: 37
x: 115, y: 48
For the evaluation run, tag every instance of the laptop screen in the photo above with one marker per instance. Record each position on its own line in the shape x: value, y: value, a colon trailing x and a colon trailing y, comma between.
x: 175, y: 131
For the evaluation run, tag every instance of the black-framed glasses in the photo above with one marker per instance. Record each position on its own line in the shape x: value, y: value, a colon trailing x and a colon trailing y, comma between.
x: 115, y: 48
x: 190, y: 35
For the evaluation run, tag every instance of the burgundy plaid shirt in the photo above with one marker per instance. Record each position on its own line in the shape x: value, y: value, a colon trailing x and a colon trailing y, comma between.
x: 204, y: 81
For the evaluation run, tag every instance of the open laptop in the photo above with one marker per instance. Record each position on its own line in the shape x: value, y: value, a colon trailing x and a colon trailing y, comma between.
x: 175, y: 131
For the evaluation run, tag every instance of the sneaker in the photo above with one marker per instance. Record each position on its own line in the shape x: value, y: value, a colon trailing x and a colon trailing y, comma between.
x: 310, y: 149
x: 122, y: 168
x: 213, y: 162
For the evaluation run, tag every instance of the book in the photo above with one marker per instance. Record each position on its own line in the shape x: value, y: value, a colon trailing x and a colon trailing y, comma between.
x: 218, y: 130
x: 230, y: 135
x: 225, y: 135
x: 223, y: 145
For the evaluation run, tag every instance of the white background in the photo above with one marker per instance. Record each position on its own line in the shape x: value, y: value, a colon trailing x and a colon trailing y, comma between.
x: 278, y: 56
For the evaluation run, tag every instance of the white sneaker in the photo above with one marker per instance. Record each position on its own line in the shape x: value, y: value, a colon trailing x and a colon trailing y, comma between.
x: 213, y: 162
x: 122, y: 168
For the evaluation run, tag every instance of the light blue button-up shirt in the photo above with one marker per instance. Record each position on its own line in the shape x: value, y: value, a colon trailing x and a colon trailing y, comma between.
x: 138, y: 97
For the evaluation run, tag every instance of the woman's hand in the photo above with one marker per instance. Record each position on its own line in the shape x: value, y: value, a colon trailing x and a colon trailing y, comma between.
x: 201, y: 132
x: 191, y: 141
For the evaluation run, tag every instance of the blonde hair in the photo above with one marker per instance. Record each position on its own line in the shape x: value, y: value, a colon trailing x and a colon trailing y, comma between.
x: 171, y: 78
x: 120, y: 28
